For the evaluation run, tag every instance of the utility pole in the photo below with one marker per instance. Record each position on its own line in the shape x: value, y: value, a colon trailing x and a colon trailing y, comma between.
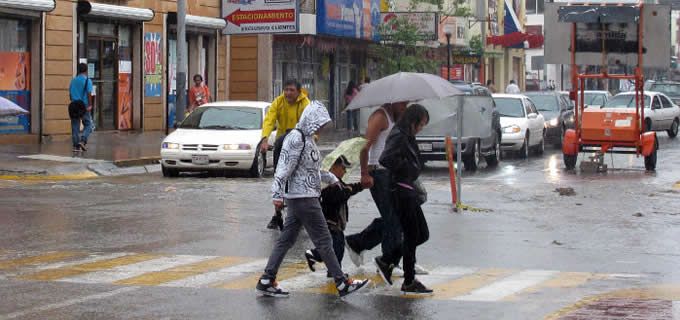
x: 181, y: 102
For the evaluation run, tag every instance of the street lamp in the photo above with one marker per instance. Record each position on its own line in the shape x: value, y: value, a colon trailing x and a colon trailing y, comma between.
x: 448, y: 32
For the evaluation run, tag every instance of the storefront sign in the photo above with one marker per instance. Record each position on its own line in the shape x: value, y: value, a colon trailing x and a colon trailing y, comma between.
x: 153, y: 67
x: 359, y: 19
x: 462, y: 58
x: 260, y: 16
x: 425, y: 22
x: 15, y: 84
x: 456, y: 72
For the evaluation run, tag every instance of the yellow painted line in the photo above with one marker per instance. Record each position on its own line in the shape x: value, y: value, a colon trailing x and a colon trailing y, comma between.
x: 43, y: 258
x: 329, y: 287
x: 181, y: 272
x: 249, y: 282
x: 561, y: 281
x: 60, y: 273
x: 75, y: 176
x: 466, y: 284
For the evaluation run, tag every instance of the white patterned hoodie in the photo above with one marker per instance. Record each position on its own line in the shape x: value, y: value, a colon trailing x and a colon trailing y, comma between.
x: 300, y: 166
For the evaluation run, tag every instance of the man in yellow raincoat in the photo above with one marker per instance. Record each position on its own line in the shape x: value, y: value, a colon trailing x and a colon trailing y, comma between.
x: 283, y: 114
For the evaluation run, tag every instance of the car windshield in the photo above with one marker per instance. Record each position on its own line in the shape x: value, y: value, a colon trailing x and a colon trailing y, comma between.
x: 594, y: 99
x: 669, y: 89
x: 624, y: 101
x: 221, y: 118
x: 509, y: 107
x: 544, y: 102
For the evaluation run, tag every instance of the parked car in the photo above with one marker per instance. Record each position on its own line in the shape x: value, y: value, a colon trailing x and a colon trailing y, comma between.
x: 596, y: 98
x: 660, y: 115
x: 523, y: 126
x: 218, y: 137
x: 557, y: 112
x: 669, y: 88
x: 480, y: 141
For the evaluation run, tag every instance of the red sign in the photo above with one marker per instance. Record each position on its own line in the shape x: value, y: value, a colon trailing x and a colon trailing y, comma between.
x: 239, y: 17
x: 457, y: 72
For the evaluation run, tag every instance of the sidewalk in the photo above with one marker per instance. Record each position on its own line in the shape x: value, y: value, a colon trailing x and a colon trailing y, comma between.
x: 108, y: 154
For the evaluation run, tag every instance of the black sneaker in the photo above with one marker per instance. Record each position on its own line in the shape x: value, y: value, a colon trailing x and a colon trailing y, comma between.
x: 276, y: 222
x: 82, y: 146
x: 77, y: 149
x: 269, y: 287
x: 350, y: 286
x: 416, y: 287
x: 311, y: 260
x: 384, y: 269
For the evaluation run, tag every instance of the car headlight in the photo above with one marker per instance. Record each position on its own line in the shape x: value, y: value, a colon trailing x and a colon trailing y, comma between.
x: 170, y: 145
x: 241, y: 146
x: 512, y: 129
x: 553, y: 122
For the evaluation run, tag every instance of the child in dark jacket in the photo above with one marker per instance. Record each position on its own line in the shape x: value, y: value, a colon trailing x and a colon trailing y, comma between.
x: 334, y: 206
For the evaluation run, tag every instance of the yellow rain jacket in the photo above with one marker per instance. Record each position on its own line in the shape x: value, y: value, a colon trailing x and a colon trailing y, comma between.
x: 283, y: 114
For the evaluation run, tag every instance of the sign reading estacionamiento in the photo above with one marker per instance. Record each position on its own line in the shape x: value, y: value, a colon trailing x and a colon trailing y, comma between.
x: 260, y: 16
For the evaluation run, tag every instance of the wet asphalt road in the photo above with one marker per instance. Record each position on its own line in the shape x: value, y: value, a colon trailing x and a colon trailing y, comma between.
x: 527, y: 252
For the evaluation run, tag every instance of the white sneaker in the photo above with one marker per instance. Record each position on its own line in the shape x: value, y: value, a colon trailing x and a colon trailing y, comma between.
x: 399, y: 272
x: 420, y: 270
x: 357, y: 258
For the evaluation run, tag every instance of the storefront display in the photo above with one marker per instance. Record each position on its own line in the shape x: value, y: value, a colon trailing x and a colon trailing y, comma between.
x: 15, y: 71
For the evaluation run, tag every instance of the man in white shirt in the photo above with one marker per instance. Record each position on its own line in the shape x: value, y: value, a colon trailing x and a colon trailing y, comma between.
x: 512, y: 88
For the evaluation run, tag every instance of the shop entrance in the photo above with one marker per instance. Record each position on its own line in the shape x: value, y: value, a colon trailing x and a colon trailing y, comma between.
x: 101, y: 56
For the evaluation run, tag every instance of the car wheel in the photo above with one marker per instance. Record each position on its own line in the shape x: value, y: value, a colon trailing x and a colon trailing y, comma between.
x: 169, y: 173
x: 524, y: 152
x: 650, y: 161
x: 570, y: 161
x: 257, y: 169
x: 648, y: 125
x: 559, y: 143
x: 540, y: 148
x: 472, y: 162
x: 673, y: 131
x: 493, y: 159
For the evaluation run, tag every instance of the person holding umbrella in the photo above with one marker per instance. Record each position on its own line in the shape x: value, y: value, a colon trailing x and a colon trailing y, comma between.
x: 402, y: 158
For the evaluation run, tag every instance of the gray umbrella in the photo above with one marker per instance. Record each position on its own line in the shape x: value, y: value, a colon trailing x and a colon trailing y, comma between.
x: 403, y: 86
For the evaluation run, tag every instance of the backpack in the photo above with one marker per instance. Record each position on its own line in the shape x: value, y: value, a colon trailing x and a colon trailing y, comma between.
x: 77, y: 108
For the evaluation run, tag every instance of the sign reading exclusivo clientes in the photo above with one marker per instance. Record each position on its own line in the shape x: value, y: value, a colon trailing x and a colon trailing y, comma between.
x: 260, y: 16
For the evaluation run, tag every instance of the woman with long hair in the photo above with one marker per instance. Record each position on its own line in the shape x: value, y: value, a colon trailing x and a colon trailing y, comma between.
x: 402, y: 158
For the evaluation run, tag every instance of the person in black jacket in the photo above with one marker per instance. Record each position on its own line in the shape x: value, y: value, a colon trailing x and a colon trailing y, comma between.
x: 402, y: 158
x: 334, y: 206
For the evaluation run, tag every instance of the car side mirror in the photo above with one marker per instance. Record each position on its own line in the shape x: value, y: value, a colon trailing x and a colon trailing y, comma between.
x: 532, y: 116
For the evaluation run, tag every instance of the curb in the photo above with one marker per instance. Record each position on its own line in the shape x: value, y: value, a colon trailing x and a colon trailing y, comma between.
x: 142, y: 161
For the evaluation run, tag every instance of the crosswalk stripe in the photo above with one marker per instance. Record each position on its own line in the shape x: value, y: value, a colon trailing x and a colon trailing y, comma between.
x: 467, y: 283
x: 183, y: 271
x: 287, y: 271
x: 39, y: 259
x: 218, y: 276
x: 508, y: 286
x: 79, y: 269
x: 561, y: 280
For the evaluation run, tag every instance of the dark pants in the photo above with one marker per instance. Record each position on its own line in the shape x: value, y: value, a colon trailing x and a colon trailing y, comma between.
x: 305, y: 212
x: 387, y: 228
x: 338, y: 246
x: 414, y: 227
x: 278, y: 144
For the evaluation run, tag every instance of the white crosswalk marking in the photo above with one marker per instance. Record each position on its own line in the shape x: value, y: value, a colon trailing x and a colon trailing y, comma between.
x: 91, y: 258
x: 224, y: 274
x: 508, y: 286
x: 133, y: 270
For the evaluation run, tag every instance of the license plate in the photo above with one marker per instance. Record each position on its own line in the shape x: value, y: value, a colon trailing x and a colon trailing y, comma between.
x: 199, y: 159
x: 427, y: 147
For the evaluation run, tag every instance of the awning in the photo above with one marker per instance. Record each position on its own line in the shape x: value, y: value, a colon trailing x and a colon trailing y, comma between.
x: 13, y: 6
x: 514, y: 36
x: 114, y: 12
x: 199, y: 21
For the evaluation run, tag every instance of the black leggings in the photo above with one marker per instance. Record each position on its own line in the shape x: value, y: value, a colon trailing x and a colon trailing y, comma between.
x: 414, y: 227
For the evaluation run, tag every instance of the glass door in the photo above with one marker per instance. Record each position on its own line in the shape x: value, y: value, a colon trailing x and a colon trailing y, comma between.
x: 102, y: 69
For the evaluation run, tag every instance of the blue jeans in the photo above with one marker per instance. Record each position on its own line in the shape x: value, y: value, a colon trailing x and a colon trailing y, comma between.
x: 338, y: 246
x: 76, y: 138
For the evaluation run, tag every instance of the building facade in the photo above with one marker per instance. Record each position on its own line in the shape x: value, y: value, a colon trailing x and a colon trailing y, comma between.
x: 130, y: 49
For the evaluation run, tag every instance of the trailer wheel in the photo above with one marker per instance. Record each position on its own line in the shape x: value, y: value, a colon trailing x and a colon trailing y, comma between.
x: 650, y: 161
x: 570, y: 161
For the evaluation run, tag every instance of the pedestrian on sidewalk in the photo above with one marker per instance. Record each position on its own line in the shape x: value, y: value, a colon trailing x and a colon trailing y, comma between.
x: 402, y: 158
x: 512, y: 88
x: 385, y: 230
x: 351, y: 92
x: 491, y: 86
x: 199, y: 94
x: 80, y: 92
x: 335, y: 209
x: 298, y: 175
x: 284, y: 114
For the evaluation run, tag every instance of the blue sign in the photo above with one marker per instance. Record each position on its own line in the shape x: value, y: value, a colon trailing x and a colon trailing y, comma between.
x: 358, y: 19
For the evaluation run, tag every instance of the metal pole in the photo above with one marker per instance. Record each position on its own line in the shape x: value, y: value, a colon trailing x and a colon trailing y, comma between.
x: 181, y: 60
x: 448, y: 56
x: 459, y: 155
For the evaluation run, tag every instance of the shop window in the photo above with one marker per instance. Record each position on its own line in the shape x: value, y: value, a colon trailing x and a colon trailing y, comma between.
x: 460, y: 32
x: 15, y: 72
